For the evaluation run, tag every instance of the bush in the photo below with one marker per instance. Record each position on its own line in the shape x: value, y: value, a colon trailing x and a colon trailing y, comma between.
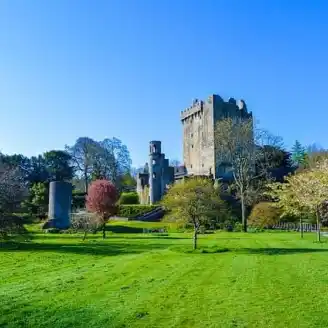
x: 264, y: 215
x: 238, y: 227
x: 78, y: 200
x: 11, y: 225
x: 128, y: 198
x: 131, y: 211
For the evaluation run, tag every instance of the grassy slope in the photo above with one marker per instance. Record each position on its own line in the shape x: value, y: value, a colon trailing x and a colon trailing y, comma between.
x: 135, y: 280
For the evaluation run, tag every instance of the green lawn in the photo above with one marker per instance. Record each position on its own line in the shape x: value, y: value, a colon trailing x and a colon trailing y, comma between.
x: 140, y: 280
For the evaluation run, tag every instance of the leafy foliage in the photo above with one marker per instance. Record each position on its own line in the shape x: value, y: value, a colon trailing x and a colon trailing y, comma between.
x: 264, y: 215
x: 37, y: 201
x: 129, y: 198
x: 305, y: 192
x: 58, y: 165
x: 299, y: 156
x: 12, y: 192
x: 195, y: 201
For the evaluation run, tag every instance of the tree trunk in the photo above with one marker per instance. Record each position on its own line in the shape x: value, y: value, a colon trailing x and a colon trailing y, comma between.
x: 84, y: 236
x: 195, y: 238
x: 318, y: 226
x: 104, y: 230
x: 85, y: 181
x: 301, y: 227
x: 243, y: 212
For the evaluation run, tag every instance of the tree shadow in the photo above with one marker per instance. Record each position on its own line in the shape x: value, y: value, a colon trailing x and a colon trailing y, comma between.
x: 123, y: 229
x: 98, y: 236
x: 83, y: 248
x: 279, y: 250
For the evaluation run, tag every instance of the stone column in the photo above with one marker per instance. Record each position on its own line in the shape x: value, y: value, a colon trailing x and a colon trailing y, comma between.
x: 60, y: 202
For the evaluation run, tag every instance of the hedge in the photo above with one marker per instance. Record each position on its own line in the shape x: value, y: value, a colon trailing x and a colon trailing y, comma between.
x: 130, y: 211
x: 129, y: 198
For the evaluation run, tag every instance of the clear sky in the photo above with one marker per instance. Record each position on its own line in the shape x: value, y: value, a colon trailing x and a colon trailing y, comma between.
x: 71, y: 68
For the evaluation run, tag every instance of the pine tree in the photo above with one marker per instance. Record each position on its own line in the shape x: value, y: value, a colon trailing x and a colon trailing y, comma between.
x: 299, y: 154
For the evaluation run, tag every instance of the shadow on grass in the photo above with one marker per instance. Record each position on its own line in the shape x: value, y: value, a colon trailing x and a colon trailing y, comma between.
x: 91, y: 236
x: 259, y: 251
x: 123, y: 229
x: 279, y: 250
x: 83, y: 248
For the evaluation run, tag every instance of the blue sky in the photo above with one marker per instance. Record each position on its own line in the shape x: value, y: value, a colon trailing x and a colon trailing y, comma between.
x: 127, y: 68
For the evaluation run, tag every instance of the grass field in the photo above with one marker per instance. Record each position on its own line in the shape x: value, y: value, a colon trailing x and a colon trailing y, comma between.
x: 141, y: 280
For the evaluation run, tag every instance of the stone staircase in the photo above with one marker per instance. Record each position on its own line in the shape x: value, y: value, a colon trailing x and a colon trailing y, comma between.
x: 154, y: 215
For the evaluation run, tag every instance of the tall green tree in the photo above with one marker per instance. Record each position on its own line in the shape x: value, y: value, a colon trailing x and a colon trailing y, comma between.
x: 58, y: 165
x: 299, y: 155
x: 195, y: 202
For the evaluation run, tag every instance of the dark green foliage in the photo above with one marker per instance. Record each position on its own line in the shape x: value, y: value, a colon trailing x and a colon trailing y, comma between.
x: 127, y: 181
x: 299, y: 156
x: 11, y: 225
x: 131, y: 211
x: 58, y: 167
x: 37, y: 202
x: 278, y: 162
x: 78, y: 200
x: 128, y: 198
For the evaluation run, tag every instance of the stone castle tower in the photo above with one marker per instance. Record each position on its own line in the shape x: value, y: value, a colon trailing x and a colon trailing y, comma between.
x: 198, y: 123
x: 158, y: 177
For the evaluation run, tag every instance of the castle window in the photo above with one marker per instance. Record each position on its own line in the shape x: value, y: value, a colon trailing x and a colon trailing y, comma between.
x: 191, y: 166
x: 154, y: 175
x: 192, y: 146
x: 202, y: 165
x: 154, y: 162
x: 191, y: 135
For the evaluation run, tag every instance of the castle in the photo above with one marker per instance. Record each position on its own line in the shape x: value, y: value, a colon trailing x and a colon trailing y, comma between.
x: 199, y: 155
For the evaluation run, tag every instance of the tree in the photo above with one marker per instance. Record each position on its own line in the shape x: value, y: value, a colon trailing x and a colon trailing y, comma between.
x: 244, y: 151
x: 314, y: 155
x: 264, y: 215
x: 101, y: 199
x: 12, y: 192
x: 58, y: 165
x: 127, y: 181
x: 38, y: 170
x: 83, y: 154
x: 86, y: 222
x: 277, y: 161
x: 305, y: 192
x: 112, y: 161
x: 196, y: 202
x: 38, y: 199
x: 298, y: 154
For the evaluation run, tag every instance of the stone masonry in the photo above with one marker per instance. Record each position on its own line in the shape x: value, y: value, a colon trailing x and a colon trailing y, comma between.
x: 158, y: 177
x: 198, y: 123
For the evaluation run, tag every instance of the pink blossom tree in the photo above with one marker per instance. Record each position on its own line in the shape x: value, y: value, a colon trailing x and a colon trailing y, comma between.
x: 102, y: 199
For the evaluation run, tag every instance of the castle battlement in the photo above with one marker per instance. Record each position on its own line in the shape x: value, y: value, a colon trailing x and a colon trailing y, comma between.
x: 197, y: 106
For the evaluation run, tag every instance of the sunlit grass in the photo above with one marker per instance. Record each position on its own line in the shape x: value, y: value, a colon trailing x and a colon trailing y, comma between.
x: 133, y: 279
